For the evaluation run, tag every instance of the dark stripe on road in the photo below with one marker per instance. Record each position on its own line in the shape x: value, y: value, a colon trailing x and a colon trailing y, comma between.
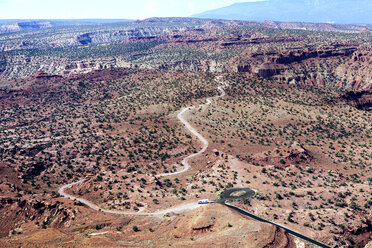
x: 294, y: 233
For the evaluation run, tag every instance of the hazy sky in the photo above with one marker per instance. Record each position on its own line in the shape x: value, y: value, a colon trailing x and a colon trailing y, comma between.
x: 124, y: 9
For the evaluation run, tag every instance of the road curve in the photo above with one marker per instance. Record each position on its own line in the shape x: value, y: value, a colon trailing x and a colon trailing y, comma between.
x: 186, y: 167
x: 189, y: 206
x: 90, y: 204
x: 290, y: 231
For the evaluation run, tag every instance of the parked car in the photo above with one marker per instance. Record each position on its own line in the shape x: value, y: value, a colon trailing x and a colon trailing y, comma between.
x: 205, y: 201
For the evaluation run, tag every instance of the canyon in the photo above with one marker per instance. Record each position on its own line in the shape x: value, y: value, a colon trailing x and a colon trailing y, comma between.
x: 152, y: 116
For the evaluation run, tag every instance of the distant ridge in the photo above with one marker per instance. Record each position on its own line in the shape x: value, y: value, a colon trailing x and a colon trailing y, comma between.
x: 67, y: 21
x: 314, y: 11
x: 14, y: 25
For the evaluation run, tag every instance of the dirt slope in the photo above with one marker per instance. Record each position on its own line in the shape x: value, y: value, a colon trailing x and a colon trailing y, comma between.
x: 208, y: 226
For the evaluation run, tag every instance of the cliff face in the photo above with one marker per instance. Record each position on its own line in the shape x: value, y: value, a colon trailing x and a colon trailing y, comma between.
x: 18, y: 26
x: 346, y: 68
x: 22, y: 67
x: 315, y: 67
x: 84, y: 39
x: 357, y: 71
x: 66, y: 38
x: 3, y: 64
x: 182, y: 44
x: 298, y: 56
x: 360, y: 100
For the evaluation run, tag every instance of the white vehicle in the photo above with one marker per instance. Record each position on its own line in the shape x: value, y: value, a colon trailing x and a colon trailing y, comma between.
x: 205, y: 201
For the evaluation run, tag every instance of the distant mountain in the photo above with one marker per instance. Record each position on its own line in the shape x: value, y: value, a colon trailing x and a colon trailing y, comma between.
x: 315, y: 11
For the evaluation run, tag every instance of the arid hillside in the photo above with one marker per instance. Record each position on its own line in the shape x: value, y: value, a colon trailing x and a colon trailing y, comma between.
x: 113, y: 143
x: 208, y: 226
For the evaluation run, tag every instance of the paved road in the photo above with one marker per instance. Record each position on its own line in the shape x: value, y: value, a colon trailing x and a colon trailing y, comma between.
x: 290, y: 231
x: 186, y: 167
x: 190, y: 206
x: 226, y: 195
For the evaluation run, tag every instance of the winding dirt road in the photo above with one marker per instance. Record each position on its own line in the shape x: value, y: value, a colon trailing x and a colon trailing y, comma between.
x: 185, y: 162
x: 186, y: 167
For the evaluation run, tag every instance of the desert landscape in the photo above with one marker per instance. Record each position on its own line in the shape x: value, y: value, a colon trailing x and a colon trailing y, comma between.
x: 110, y: 134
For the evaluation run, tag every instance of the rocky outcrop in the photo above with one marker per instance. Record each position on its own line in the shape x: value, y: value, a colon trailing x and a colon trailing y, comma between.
x: 356, y: 73
x: 48, y: 39
x: 360, y: 100
x: 84, y: 39
x: 362, y: 56
x: 191, y: 41
x: 339, y: 66
x: 353, y: 75
x: 249, y: 41
x: 40, y: 212
x: 300, y: 55
x: 197, y: 45
x: 40, y: 75
x: 34, y: 24
x: 295, y: 154
x: 3, y: 64
x: 244, y: 68
x: 18, y: 26
x: 267, y: 70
